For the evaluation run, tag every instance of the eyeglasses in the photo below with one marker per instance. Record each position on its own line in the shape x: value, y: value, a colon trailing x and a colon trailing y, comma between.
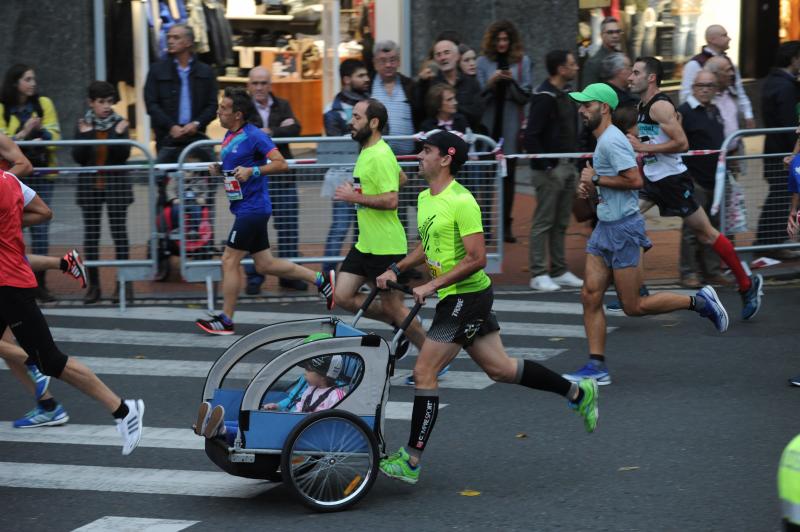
x: 388, y: 60
x: 613, y: 32
x: 705, y: 85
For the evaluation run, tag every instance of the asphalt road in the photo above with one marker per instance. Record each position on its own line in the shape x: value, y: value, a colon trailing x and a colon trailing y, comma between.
x: 689, y: 436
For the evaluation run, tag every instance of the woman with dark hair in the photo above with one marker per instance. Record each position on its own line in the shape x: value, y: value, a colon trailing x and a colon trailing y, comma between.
x: 504, y: 73
x: 441, y: 109
x: 112, y: 188
x: 25, y: 115
x: 467, y: 63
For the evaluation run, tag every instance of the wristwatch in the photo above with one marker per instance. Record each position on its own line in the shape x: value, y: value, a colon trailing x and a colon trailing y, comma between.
x: 596, y: 179
x: 395, y: 269
x: 256, y: 171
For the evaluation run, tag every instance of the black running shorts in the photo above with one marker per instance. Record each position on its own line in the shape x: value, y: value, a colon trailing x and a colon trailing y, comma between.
x: 461, y: 318
x: 249, y: 233
x: 18, y: 310
x: 370, y: 266
x: 674, y: 195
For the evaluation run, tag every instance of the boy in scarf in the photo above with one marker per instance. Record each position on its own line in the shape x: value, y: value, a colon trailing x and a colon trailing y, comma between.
x: 95, y: 188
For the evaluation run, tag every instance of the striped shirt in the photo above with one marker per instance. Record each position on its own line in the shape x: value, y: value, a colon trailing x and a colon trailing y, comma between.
x: 399, y: 111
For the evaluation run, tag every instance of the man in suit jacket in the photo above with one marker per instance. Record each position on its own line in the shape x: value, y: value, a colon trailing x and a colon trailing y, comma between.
x: 181, y: 96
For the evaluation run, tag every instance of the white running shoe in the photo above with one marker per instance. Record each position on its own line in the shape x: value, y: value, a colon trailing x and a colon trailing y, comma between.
x: 130, y: 427
x: 568, y: 279
x: 544, y: 283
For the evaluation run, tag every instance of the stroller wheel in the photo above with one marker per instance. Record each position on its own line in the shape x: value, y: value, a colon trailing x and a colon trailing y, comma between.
x: 330, y: 460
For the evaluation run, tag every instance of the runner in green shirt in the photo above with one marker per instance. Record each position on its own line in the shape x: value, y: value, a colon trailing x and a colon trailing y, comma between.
x: 451, y: 243
x: 381, y: 238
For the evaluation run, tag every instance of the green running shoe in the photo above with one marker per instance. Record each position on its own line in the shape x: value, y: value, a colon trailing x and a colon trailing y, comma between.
x: 396, y: 466
x: 587, y: 407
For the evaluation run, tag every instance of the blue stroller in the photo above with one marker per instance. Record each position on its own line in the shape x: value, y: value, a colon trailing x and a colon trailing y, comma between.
x: 328, y: 458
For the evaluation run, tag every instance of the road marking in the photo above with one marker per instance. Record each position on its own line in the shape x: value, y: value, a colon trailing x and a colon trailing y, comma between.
x: 104, y: 435
x: 117, y: 336
x: 402, y: 411
x: 130, y: 480
x: 463, y: 380
x: 135, y: 524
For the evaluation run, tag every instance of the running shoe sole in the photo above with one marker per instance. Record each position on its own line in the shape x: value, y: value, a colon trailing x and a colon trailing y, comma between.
x: 404, y: 480
x: 212, y: 331
x: 53, y: 423
x: 711, y: 296
x: 602, y: 381
x: 332, y: 278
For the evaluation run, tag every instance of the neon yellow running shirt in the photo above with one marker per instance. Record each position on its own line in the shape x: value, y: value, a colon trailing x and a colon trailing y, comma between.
x: 379, y: 231
x: 443, y: 220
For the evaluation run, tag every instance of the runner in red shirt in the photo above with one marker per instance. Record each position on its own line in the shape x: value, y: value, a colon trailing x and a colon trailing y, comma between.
x: 20, y: 206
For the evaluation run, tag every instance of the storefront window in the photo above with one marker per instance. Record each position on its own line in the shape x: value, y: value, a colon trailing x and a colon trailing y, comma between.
x: 672, y: 30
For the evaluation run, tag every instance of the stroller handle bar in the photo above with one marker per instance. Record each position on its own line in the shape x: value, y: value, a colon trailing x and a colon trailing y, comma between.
x: 402, y: 287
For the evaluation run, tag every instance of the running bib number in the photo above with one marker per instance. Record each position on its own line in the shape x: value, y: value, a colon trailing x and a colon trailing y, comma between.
x: 232, y: 187
x: 434, y: 267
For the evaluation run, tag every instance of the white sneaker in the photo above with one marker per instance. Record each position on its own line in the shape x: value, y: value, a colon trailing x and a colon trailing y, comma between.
x: 130, y: 427
x: 544, y: 283
x: 569, y: 279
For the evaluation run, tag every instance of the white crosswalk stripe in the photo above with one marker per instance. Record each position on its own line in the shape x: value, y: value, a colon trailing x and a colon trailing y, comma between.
x: 135, y: 524
x: 129, y: 480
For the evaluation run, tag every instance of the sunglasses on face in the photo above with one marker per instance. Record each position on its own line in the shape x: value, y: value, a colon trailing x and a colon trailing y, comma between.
x: 613, y: 32
x: 705, y: 85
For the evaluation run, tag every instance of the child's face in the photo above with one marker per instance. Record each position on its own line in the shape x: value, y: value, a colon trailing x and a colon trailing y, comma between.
x: 314, y: 379
x: 102, y: 106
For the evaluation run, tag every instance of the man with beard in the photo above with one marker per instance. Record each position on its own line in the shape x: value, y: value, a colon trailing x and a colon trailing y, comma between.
x: 661, y: 140
x: 614, y: 250
x: 381, y: 238
x: 248, y: 156
x: 452, y: 246
x: 355, y: 87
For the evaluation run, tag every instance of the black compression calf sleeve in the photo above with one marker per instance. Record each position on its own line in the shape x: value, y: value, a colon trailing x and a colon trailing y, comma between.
x: 538, y: 377
x: 423, y: 417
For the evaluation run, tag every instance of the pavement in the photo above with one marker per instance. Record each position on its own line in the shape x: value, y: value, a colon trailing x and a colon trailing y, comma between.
x: 689, y: 437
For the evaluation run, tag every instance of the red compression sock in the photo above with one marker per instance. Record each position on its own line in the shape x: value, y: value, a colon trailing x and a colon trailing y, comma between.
x: 723, y: 247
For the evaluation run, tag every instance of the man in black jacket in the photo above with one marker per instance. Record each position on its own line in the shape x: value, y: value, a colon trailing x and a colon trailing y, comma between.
x: 277, y: 120
x: 780, y: 95
x: 704, y: 128
x: 181, y: 96
x: 552, y: 128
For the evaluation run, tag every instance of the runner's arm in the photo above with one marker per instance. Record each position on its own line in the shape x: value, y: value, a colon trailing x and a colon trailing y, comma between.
x: 36, y: 212
x: 276, y: 165
x: 403, y: 179
x: 384, y: 202
x: 20, y: 165
x: 629, y: 179
x: 667, y: 118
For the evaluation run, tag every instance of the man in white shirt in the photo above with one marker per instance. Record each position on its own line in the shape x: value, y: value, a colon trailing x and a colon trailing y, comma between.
x: 717, y: 42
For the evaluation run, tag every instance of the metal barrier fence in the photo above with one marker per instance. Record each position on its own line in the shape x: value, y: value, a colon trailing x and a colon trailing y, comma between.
x: 106, y: 211
x: 754, y: 207
x: 307, y: 226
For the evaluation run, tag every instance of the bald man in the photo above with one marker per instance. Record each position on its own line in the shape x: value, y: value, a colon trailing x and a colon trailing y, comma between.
x: 717, y: 43
x: 277, y: 120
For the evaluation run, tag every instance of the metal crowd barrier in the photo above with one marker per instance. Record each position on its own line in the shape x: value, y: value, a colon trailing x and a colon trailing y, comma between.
x: 107, y: 212
x: 761, y: 187
x: 304, y: 213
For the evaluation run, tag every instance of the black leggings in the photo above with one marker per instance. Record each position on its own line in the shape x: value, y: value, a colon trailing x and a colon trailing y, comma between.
x: 18, y: 309
x: 117, y: 219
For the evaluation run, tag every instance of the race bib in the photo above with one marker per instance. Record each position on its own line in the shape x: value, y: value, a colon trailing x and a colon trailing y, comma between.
x: 434, y: 267
x: 233, y: 188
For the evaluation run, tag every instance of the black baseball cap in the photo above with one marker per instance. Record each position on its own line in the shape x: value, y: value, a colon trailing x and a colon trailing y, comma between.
x: 449, y: 143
